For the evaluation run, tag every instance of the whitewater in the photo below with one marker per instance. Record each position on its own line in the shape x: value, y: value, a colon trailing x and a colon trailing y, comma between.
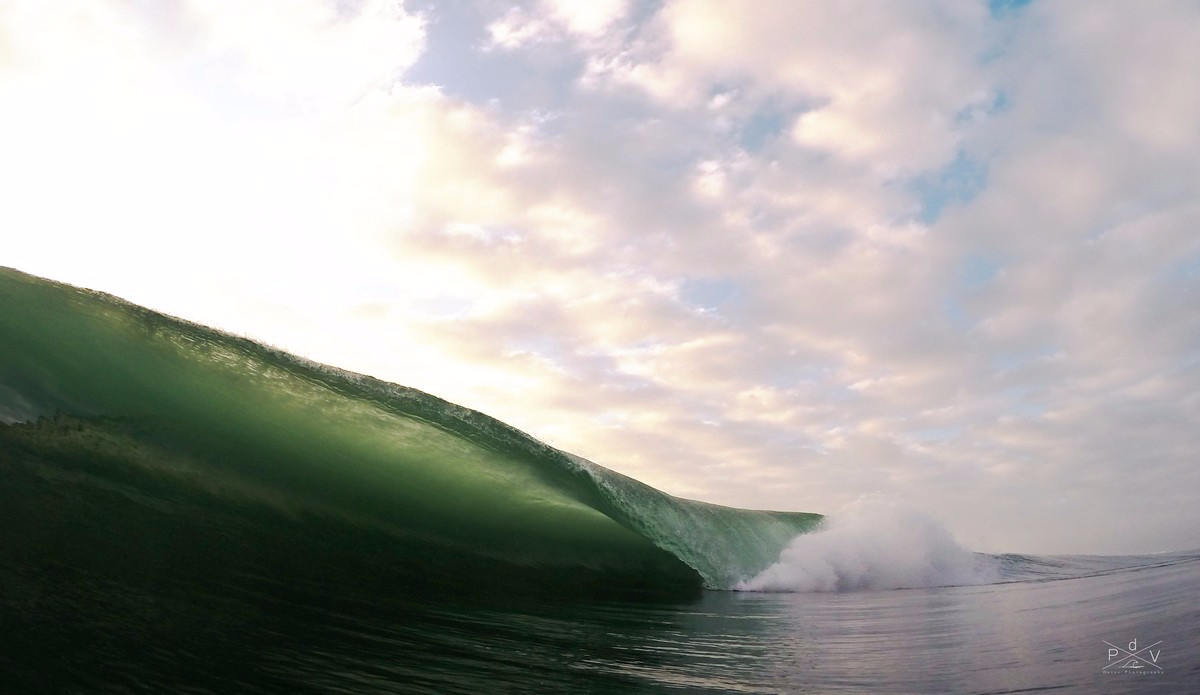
x: 186, y: 510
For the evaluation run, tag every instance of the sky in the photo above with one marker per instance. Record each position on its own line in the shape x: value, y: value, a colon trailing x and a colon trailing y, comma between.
x: 769, y: 255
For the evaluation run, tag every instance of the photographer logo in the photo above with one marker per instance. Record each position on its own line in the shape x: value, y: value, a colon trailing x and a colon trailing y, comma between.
x: 1132, y: 659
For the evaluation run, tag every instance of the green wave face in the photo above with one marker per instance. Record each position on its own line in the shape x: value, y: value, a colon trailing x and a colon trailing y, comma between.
x: 100, y: 395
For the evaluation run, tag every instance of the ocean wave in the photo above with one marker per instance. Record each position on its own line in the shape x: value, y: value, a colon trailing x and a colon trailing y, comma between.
x: 108, y: 410
x: 874, y: 543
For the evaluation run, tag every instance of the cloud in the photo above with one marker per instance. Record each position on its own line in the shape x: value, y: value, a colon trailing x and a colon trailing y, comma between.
x: 552, y: 20
x: 888, y: 87
x: 311, y: 48
x: 777, y: 258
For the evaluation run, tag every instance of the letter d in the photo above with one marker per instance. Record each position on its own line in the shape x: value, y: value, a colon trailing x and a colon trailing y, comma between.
x: 1133, y: 646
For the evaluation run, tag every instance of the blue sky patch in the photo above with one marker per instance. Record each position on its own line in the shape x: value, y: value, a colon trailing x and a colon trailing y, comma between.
x: 999, y: 8
x: 953, y: 310
x: 1187, y: 269
x: 978, y: 270
x: 456, y: 60
x: 957, y: 183
x: 762, y: 127
x: 709, y: 294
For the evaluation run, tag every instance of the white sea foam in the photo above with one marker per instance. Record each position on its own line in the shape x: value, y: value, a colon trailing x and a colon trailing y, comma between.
x: 874, y: 543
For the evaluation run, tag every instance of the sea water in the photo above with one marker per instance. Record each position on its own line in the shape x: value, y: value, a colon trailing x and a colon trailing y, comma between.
x: 68, y: 631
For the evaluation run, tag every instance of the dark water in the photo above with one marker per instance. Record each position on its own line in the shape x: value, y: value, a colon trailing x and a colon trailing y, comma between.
x: 70, y: 631
x: 187, y: 511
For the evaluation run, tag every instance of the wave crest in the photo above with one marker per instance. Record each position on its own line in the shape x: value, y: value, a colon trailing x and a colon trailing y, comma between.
x: 874, y: 543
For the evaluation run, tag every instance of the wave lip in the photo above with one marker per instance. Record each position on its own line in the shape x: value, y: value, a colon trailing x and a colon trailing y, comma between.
x: 873, y: 544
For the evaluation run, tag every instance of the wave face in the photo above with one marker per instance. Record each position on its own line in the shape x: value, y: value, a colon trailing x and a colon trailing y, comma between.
x: 129, y: 437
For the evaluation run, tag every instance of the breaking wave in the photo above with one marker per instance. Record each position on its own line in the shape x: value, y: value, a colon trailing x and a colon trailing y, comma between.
x: 128, y: 434
x: 874, y: 543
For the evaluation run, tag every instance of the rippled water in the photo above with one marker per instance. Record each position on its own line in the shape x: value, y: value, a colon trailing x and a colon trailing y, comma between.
x: 1044, y: 629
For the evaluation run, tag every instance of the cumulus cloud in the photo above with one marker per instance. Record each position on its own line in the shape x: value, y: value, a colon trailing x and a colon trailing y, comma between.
x: 884, y: 86
x: 776, y: 258
x: 552, y: 20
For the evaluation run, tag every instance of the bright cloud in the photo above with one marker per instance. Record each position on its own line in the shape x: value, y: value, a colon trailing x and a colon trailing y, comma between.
x: 554, y: 20
x: 772, y: 258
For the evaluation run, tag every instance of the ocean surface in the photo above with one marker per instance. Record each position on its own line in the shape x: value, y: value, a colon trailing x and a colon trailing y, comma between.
x: 187, y: 511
